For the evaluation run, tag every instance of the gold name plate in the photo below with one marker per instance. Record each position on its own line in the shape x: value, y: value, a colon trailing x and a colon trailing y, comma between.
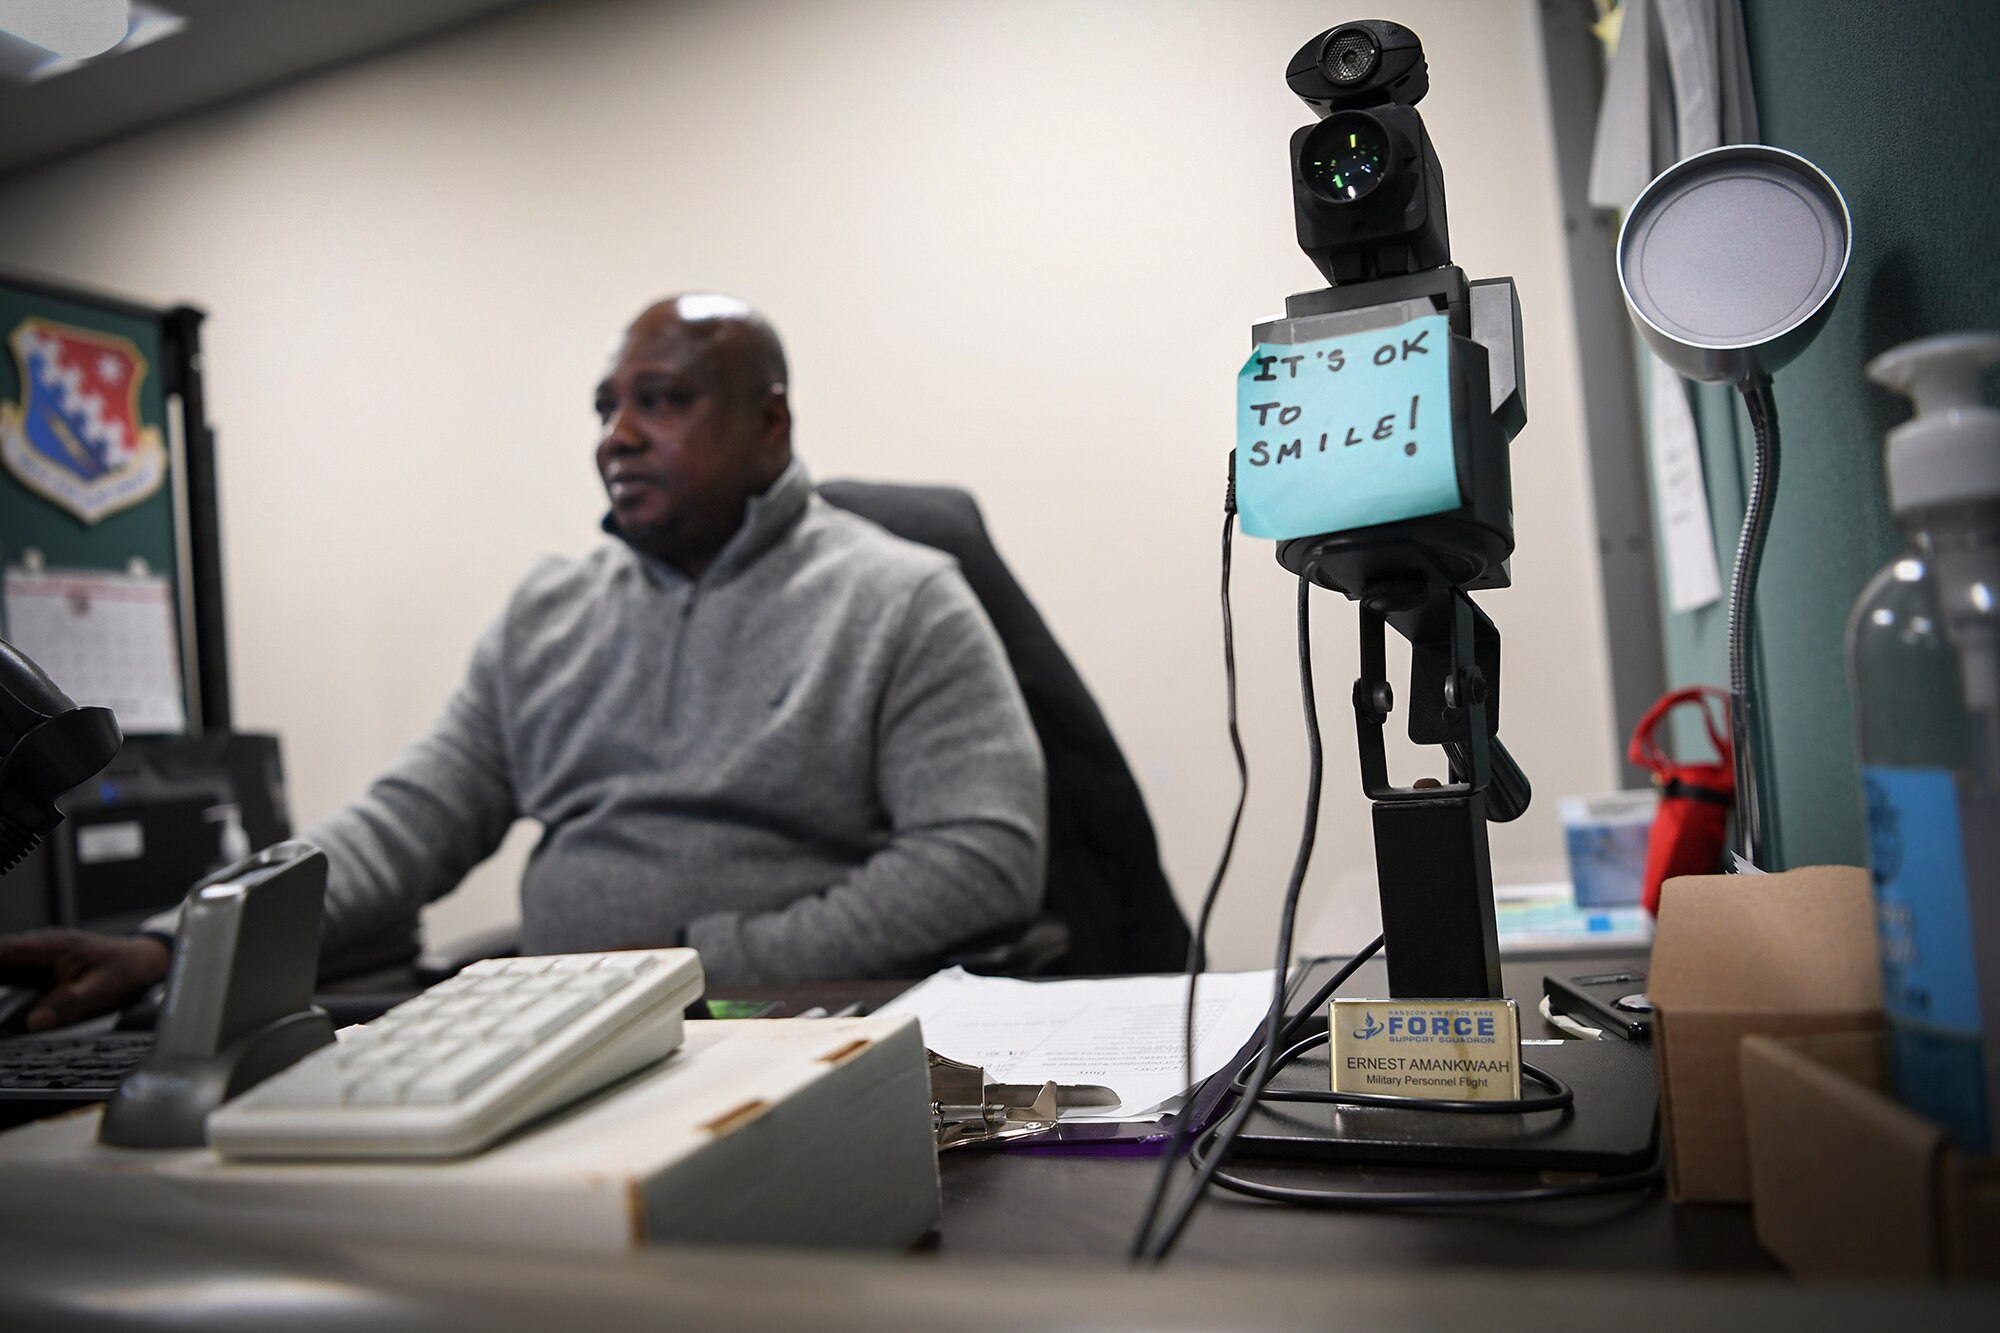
x: 1455, y: 1050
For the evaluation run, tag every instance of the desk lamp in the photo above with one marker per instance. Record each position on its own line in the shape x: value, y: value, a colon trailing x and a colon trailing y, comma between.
x: 1730, y: 262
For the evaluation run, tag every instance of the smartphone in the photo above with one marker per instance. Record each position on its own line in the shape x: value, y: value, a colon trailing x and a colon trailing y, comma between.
x: 1614, y: 1001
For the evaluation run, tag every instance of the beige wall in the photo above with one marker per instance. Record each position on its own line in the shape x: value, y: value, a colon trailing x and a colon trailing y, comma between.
x: 1016, y: 246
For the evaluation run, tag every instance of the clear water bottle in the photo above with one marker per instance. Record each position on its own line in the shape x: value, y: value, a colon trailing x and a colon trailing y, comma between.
x: 1924, y: 651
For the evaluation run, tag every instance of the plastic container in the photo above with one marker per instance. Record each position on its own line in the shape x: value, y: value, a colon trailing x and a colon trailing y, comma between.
x: 1922, y: 651
x: 1606, y: 839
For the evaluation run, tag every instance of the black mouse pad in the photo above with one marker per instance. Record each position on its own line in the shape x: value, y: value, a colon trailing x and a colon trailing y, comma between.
x: 1611, y: 1127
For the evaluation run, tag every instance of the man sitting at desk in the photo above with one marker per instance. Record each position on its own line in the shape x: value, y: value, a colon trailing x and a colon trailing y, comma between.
x: 753, y: 724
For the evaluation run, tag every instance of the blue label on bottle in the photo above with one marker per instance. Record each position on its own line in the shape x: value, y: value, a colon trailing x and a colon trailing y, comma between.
x: 1929, y: 987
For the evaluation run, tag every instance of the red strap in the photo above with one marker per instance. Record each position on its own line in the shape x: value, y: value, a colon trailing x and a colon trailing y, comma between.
x: 1645, y: 750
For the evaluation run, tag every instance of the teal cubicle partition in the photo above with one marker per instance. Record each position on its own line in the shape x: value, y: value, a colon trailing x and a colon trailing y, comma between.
x: 1900, y: 105
x: 106, y: 461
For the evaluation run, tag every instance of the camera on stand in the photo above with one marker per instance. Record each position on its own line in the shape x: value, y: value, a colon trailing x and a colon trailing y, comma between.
x: 1374, y: 421
x: 1372, y: 429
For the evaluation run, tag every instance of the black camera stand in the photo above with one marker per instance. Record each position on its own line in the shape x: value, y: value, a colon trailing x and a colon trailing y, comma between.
x: 1433, y: 869
x: 1432, y: 865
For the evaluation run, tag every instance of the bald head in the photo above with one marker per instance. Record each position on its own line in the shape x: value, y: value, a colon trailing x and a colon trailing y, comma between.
x: 740, y: 342
x: 695, y: 422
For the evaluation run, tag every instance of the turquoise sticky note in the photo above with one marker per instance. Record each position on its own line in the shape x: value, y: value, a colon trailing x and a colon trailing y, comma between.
x: 1346, y: 432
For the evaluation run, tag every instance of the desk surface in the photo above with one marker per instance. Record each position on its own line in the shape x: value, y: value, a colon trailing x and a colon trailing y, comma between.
x: 1029, y: 1240
x: 72, y: 1277
x: 1068, y: 1209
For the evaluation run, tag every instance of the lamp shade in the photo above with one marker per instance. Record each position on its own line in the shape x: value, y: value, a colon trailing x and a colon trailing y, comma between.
x: 1731, y: 259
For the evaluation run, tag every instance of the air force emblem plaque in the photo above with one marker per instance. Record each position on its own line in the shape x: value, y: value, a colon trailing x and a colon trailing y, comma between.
x: 75, y: 436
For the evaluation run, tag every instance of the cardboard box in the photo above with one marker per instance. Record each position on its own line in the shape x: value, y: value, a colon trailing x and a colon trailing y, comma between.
x: 1782, y: 955
x: 759, y: 1131
x: 1848, y: 1183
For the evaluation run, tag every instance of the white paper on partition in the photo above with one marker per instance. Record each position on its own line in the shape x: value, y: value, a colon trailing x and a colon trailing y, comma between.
x: 103, y: 638
x: 1693, y: 579
x: 1124, y: 1033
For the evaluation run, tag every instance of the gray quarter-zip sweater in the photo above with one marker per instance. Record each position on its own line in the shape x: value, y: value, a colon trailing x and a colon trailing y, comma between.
x: 812, y: 762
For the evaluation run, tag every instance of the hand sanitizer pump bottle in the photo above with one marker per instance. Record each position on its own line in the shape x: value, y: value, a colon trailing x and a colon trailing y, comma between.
x: 1924, y: 651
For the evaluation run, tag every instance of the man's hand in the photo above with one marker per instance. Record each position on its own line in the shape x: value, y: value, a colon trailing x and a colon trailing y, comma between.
x: 85, y: 973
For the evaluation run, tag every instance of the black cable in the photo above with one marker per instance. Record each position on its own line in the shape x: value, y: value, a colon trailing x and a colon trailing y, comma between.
x: 1185, y: 1128
x: 1197, y: 957
x: 1224, y: 1134
x: 1383, y: 1200
x: 1325, y: 992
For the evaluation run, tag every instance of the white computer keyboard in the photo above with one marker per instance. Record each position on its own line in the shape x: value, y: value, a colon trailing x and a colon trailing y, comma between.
x: 448, y: 1072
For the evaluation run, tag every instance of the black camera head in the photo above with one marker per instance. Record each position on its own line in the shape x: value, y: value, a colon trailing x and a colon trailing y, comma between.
x: 1369, y: 62
x: 1367, y: 190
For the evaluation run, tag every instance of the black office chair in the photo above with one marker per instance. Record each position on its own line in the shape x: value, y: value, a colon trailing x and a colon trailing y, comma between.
x: 1106, y: 889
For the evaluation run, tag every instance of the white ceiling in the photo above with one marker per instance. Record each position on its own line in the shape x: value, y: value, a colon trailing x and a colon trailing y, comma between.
x: 230, y: 48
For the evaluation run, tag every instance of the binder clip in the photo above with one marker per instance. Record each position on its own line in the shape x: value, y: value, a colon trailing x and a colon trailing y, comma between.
x: 967, y: 1110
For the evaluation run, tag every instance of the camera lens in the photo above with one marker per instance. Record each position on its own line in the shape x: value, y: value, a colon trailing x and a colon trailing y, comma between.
x: 1350, y: 56
x: 1345, y: 158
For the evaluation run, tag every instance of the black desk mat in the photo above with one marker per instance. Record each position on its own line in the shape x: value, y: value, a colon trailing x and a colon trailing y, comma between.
x: 1612, y: 1127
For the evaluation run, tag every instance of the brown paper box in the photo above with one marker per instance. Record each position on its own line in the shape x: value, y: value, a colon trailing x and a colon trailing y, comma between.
x: 1781, y: 955
x: 1848, y: 1183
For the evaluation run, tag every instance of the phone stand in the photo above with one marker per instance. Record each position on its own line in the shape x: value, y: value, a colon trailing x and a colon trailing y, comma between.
x: 239, y: 999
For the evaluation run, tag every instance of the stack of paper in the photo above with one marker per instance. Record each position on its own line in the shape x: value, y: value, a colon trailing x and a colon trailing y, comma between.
x: 1124, y: 1033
